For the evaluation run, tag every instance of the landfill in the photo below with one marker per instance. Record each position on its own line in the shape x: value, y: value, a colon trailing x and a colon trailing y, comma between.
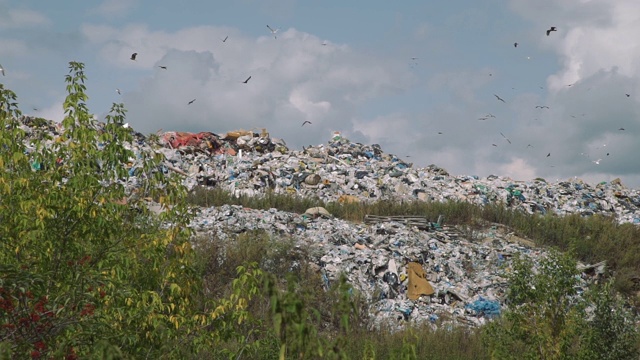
x: 409, y: 270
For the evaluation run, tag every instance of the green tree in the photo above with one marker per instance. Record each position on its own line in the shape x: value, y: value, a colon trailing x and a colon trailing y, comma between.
x: 548, y: 319
x: 86, y: 269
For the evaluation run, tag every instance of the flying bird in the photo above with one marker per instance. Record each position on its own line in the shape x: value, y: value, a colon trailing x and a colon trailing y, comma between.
x: 494, y: 145
x: 225, y: 39
x: 499, y: 98
x: 509, y: 141
x: 162, y: 67
x: 628, y: 95
x: 191, y: 102
x: 2, y: 70
x: 246, y: 81
x: 273, y: 31
x: 306, y: 122
x: 515, y: 44
x: 118, y: 91
x: 133, y: 56
x: 621, y: 129
x: 597, y: 162
x: 324, y: 43
x: 553, y: 28
x: 541, y: 107
x: 549, y: 154
x: 439, y: 132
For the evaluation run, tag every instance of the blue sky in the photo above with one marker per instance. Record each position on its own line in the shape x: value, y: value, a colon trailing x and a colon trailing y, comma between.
x: 350, y: 68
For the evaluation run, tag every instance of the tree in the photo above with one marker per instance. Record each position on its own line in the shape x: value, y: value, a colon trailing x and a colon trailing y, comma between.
x: 85, y: 268
x: 547, y: 318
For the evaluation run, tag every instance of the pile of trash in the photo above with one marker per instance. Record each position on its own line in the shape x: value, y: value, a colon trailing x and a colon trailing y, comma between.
x: 433, y: 276
x: 408, y: 269
x: 249, y: 163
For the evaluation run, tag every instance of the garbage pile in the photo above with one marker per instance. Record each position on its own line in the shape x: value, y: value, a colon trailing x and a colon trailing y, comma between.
x: 408, y: 269
x: 433, y: 276
x: 249, y: 163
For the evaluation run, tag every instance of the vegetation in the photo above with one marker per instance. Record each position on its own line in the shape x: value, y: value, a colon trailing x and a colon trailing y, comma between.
x: 88, y: 271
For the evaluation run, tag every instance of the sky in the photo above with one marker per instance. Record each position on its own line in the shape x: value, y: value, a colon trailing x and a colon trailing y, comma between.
x: 433, y: 82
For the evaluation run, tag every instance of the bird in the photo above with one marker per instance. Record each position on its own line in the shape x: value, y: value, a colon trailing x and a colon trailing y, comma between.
x: 225, y: 39
x: 2, y: 70
x: 628, y: 95
x: 133, y: 56
x: 273, y: 31
x: 306, y: 122
x: 621, y: 129
x: 499, y: 98
x: 324, y: 43
x: 541, y: 107
x: 529, y: 146
x: 162, y: 67
x: 439, y: 132
x: 597, y: 162
x: 118, y: 91
x: 494, y: 145
x: 246, y: 81
x: 553, y: 28
x: 191, y: 102
x: 509, y: 141
x: 515, y: 44
x: 549, y: 154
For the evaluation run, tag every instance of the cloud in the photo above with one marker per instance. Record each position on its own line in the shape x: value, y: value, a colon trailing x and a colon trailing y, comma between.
x: 21, y: 18
x: 293, y: 79
x: 111, y: 8
x: 12, y: 47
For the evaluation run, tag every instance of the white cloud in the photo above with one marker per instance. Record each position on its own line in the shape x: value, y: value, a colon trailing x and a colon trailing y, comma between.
x: 22, y: 18
x: 110, y: 8
x: 12, y: 47
x: 293, y: 78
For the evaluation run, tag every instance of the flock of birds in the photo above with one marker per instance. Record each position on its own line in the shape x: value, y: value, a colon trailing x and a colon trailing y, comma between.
x: 274, y: 32
x: 246, y: 81
x: 541, y: 107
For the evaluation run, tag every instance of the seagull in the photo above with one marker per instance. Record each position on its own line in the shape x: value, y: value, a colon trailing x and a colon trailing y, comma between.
x: 515, y: 44
x: 225, y: 39
x: 621, y: 129
x: 509, y: 141
x: 494, y: 145
x: 191, y: 102
x: 306, y: 122
x: 2, y: 70
x: 324, y: 43
x: 133, y: 56
x: 118, y: 91
x: 549, y: 154
x: 246, y: 81
x: 529, y: 146
x: 553, y: 28
x: 597, y: 162
x: 499, y: 98
x: 273, y: 31
x: 162, y: 67
x: 628, y: 95
x: 541, y: 107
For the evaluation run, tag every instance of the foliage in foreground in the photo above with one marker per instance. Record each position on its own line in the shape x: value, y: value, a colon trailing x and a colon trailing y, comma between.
x: 548, y: 320
x: 86, y: 270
